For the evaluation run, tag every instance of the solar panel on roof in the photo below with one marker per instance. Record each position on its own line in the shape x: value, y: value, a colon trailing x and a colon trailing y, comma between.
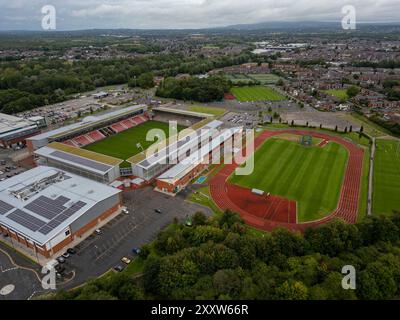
x: 46, y: 207
x: 5, y: 207
x: 45, y: 230
x: 82, y: 161
x: 25, y: 219
x: 61, y: 200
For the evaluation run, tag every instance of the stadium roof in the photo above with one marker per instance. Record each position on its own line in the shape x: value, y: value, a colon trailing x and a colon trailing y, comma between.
x: 184, y: 167
x: 88, y: 160
x: 86, y: 123
x: 174, y: 145
x: 11, y: 123
x: 42, y: 202
x: 184, y: 112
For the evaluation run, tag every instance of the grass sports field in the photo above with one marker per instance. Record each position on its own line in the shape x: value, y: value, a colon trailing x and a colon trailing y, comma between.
x: 256, y: 93
x: 123, y: 145
x: 310, y: 175
x: 387, y: 177
x: 263, y: 78
x: 338, y: 93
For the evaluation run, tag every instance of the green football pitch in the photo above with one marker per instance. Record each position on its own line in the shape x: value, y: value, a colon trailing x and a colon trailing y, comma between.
x: 124, y: 145
x: 312, y: 176
x: 386, y: 192
x: 256, y: 93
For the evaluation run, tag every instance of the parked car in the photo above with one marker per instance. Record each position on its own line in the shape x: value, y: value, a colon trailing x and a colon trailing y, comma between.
x: 61, y: 259
x: 136, y: 250
x: 126, y: 211
x: 119, y: 268
x: 158, y: 211
x: 126, y: 260
x: 71, y: 251
x: 66, y: 255
x: 98, y: 231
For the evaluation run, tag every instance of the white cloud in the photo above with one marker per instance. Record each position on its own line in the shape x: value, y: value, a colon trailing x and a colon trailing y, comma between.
x: 76, y: 14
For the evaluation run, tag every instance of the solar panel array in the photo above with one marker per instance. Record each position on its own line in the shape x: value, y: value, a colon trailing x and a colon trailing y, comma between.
x: 46, y: 207
x: 25, y: 219
x: 62, y: 217
x: 5, y: 207
x: 82, y: 161
x: 53, y: 210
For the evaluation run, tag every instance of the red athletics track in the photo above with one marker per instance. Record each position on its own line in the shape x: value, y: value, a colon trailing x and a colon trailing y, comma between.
x: 226, y: 196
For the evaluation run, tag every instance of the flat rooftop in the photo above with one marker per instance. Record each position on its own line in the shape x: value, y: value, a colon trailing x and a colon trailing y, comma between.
x: 181, y: 169
x: 44, y: 201
x: 11, y: 123
x: 86, y: 122
x: 173, y: 144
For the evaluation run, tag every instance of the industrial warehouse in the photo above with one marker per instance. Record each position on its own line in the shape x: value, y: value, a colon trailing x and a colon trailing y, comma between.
x: 46, y: 209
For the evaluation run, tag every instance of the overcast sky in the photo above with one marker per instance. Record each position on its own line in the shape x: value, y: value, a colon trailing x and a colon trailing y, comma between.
x: 165, y: 14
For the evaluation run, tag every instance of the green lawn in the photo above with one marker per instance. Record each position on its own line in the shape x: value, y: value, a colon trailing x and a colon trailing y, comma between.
x: 263, y: 78
x: 256, y: 93
x: 123, y: 145
x: 311, y: 176
x: 338, y: 93
x: 210, y: 110
x: 386, y: 196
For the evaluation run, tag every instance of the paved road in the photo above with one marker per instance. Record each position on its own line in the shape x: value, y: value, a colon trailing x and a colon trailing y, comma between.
x: 18, y: 277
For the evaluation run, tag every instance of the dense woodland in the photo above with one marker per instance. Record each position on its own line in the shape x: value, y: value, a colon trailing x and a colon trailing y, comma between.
x: 30, y: 84
x: 194, y: 89
x: 221, y: 258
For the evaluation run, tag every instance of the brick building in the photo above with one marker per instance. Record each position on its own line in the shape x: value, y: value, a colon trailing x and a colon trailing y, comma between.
x: 45, y: 209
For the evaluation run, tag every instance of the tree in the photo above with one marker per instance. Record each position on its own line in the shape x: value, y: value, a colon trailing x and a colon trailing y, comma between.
x: 376, y: 282
x: 199, y: 218
x: 150, y: 274
x: 352, y: 91
x: 292, y: 290
x: 227, y: 282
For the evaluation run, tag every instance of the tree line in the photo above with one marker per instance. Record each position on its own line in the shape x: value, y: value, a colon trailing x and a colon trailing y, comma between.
x: 26, y: 85
x: 195, y: 89
x: 221, y: 258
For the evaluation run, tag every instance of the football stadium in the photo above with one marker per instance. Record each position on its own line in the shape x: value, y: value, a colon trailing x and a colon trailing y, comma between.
x: 81, y: 168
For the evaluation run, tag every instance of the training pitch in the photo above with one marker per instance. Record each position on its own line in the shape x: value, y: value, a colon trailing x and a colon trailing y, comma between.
x: 312, y: 176
x: 256, y: 93
x: 386, y: 198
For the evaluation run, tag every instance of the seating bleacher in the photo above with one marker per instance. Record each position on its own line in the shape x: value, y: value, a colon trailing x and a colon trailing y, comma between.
x: 96, y: 135
x: 81, y: 141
